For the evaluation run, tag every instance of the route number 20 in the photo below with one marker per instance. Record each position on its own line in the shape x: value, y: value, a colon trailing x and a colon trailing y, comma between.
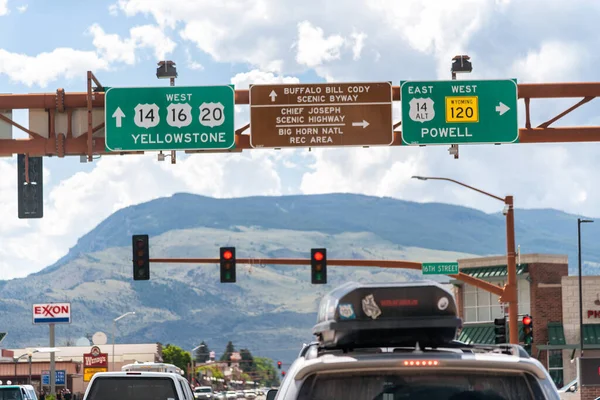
x: 212, y: 114
x: 462, y: 109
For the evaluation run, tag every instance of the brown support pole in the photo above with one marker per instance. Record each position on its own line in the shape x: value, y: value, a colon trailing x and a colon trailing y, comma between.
x: 511, y: 263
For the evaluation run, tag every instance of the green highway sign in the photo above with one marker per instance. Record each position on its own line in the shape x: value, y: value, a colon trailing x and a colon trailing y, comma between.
x: 459, y: 112
x: 170, y: 118
x: 439, y: 268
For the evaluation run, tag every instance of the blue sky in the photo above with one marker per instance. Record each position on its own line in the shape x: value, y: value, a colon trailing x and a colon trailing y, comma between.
x: 46, y: 45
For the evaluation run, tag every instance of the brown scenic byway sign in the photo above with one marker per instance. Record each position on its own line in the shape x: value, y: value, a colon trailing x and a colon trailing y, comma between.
x: 321, y: 114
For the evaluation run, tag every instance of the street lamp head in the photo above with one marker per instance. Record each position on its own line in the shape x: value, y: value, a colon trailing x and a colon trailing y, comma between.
x: 583, y: 221
x: 421, y: 178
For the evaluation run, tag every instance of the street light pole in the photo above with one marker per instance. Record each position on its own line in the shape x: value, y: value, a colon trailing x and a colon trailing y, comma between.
x: 113, y: 335
x: 579, y: 222
x: 510, y: 289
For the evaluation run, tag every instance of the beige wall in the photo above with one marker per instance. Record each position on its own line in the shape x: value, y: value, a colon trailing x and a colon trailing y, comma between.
x: 570, y: 306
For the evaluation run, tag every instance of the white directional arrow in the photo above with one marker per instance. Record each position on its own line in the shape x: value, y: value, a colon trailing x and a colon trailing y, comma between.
x: 364, y: 124
x: 118, y: 115
x: 502, y: 108
x: 272, y: 95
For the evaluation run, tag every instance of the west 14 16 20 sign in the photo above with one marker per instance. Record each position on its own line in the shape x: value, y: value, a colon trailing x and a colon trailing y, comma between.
x: 170, y: 118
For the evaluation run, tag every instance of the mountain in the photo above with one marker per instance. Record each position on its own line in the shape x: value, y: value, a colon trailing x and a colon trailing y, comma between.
x: 271, y: 309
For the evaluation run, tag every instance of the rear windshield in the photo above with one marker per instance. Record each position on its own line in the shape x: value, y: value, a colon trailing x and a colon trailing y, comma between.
x: 202, y: 390
x: 10, y: 394
x: 407, y: 385
x: 128, y: 388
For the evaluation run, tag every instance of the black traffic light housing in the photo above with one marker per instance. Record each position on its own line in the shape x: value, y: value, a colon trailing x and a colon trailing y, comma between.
x: 227, y: 260
x: 278, y: 364
x: 282, y: 373
x: 500, y: 330
x: 318, y: 266
x: 527, y: 332
x: 141, y: 257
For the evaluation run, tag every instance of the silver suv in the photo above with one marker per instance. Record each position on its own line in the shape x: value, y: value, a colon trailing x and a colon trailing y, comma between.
x: 396, y: 341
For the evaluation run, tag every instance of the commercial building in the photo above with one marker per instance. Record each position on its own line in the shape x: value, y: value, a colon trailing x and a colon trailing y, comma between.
x: 70, y: 360
x: 548, y: 295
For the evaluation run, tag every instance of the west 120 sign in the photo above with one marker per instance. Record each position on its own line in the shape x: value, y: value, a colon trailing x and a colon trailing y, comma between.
x: 52, y: 313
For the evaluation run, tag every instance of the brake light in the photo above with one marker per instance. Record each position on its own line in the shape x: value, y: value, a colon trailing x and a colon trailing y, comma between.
x: 134, y: 373
x: 421, y: 363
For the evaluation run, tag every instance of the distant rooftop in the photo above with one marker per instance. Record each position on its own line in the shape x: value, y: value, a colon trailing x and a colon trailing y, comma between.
x: 495, y: 261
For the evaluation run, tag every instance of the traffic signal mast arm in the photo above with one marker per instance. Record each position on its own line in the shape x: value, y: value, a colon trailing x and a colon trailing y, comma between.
x: 63, y: 142
x: 497, y: 290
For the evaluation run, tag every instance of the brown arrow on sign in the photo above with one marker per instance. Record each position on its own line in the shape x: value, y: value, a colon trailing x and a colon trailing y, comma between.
x: 321, y: 115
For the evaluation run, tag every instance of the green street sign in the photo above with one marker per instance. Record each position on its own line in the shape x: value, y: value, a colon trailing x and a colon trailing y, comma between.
x: 459, y: 112
x: 170, y: 118
x: 439, y: 268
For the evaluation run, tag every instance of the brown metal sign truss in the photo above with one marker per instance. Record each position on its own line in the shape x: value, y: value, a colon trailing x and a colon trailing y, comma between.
x: 64, y: 144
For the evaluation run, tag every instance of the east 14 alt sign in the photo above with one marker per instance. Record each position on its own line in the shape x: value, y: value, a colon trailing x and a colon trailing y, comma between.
x: 321, y: 115
x: 459, y: 112
x: 52, y: 313
x: 170, y: 118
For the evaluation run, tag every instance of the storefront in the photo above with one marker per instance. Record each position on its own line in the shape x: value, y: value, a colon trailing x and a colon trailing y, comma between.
x: 70, y: 361
x: 539, y: 280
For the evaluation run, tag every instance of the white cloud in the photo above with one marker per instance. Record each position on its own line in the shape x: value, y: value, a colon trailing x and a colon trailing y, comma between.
x: 552, y: 62
x: 22, y: 8
x: 49, y: 66
x: 112, y: 48
x: 3, y: 7
x: 359, y: 44
x: 314, y: 48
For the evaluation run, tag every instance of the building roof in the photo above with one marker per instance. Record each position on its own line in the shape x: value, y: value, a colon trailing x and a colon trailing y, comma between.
x: 122, y: 351
x: 523, y: 258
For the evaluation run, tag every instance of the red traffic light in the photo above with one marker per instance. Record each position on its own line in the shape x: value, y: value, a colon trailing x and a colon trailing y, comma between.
x: 527, y: 320
x: 282, y: 373
x: 318, y: 256
x: 227, y: 255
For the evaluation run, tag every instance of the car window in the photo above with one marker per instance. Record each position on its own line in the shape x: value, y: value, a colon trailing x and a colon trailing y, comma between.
x: 129, y: 388
x: 421, y: 385
x: 10, y: 394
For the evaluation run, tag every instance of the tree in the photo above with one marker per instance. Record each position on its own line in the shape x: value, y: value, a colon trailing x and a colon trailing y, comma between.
x: 202, y: 353
x: 229, y: 349
x: 175, y: 355
x: 247, y: 363
x: 265, y: 373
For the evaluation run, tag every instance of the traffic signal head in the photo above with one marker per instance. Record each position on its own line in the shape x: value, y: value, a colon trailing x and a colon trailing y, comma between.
x: 500, y: 330
x: 141, y: 257
x: 527, y: 330
x: 278, y: 364
x: 227, y: 260
x: 318, y: 266
x: 282, y: 373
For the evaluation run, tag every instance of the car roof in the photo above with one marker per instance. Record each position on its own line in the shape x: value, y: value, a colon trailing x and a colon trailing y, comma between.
x: 137, y: 373
x: 493, y: 357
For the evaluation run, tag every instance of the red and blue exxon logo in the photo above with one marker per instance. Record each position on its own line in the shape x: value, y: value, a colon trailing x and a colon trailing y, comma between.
x: 52, y: 313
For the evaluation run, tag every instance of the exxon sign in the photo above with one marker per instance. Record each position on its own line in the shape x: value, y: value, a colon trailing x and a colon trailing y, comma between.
x: 52, y: 313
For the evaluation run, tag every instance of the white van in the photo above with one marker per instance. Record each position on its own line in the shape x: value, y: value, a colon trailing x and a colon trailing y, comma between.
x: 134, y: 385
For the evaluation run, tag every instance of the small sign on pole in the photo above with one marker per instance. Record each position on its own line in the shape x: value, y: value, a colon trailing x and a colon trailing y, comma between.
x: 439, y: 268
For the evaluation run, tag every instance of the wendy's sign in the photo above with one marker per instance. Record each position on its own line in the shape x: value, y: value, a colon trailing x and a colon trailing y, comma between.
x: 95, y: 359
